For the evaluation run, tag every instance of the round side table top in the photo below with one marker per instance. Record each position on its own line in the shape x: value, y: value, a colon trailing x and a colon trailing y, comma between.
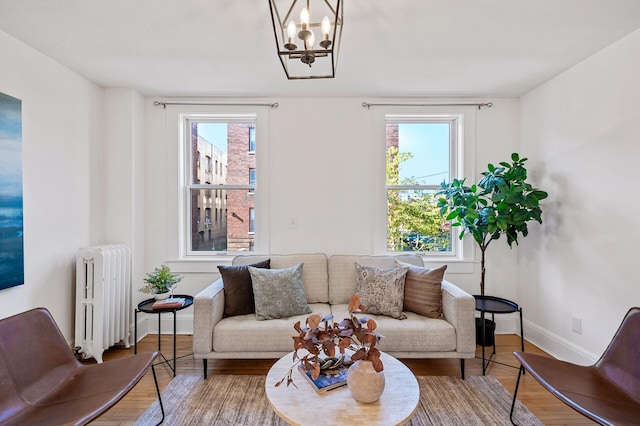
x: 496, y: 305
x: 304, y: 406
x: 147, y: 305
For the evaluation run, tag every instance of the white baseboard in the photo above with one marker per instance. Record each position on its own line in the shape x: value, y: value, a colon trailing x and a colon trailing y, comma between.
x: 549, y: 342
x: 557, y: 346
x: 148, y: 324
x: 505, y: 323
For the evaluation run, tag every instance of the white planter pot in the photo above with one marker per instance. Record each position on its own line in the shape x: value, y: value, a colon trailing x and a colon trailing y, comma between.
x: 161, y: 296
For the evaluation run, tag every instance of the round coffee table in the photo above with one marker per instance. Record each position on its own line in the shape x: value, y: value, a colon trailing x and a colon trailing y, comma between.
x: 304, y: 406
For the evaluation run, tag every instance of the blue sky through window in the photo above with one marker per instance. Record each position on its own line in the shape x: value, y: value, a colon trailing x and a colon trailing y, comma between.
x: 429, y: 144
x: 214, y: 133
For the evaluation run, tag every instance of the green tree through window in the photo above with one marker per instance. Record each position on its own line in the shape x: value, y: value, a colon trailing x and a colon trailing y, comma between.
x: 413, y: 219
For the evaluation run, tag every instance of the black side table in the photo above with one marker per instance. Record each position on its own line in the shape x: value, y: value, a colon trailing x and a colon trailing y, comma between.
x: 146, y: 307
x: 495, y: 305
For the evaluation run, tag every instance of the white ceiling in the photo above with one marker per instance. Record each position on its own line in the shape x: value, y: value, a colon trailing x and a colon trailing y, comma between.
x: 389, y: 47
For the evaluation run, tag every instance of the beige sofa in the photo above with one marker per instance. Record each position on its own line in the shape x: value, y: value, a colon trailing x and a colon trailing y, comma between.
x: 329, y: 283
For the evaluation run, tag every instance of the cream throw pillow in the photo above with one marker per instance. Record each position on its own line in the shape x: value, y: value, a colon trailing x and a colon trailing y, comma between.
x: 381, y: 290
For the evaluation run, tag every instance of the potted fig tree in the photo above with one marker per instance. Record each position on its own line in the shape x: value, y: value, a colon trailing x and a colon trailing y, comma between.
x: 501, y: 203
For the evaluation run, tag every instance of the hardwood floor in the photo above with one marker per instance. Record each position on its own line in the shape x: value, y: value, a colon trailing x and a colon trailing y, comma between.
x: 545, y: 406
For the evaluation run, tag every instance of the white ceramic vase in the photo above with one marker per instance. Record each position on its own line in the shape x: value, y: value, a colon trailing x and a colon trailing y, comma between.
x: 365, y: 383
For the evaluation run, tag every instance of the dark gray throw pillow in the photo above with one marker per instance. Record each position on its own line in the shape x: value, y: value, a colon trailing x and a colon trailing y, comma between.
x: 238, y: 291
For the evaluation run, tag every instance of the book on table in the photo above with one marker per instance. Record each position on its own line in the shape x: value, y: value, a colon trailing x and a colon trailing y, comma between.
x: 170, y: 303
x: 328, y: 379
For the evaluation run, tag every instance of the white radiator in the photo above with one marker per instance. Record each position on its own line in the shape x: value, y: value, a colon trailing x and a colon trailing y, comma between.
x: 103, y: 299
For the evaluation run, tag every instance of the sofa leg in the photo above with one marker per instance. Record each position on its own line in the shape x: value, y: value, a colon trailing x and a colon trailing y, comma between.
x: 204, y: 364
x: 462, y: 368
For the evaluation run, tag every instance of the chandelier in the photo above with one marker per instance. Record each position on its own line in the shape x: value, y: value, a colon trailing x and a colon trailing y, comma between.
x: 307, y: 48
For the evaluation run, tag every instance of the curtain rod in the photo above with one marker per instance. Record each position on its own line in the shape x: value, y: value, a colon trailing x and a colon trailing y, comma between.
x: 479, y: 105
x: 164, y: 104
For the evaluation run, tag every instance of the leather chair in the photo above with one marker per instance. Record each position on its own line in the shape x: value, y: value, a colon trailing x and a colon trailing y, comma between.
x: 42, y: 382
x: 607, y: 392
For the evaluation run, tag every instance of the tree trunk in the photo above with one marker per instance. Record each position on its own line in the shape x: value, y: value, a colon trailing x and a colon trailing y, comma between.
x: 483, y: 248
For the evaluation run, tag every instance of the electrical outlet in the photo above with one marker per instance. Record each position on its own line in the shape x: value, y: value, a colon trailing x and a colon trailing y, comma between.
x: 576, y: 325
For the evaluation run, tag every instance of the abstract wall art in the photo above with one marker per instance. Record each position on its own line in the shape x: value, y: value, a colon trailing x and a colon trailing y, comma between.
x: 11, y: 217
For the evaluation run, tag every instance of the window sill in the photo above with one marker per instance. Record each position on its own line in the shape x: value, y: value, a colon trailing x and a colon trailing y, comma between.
x: 453, y: 266
x: 199, y: 265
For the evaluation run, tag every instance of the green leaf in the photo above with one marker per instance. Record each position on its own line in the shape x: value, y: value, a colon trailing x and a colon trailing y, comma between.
x: 515, y: 156
x: 452, y: 215
x: 540, y: 195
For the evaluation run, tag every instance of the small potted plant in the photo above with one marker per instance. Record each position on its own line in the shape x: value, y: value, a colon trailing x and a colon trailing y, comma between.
x: 161, y: 282
x: 321, y: 339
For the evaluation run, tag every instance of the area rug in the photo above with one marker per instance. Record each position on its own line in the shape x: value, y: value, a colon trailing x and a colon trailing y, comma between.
x: 241, y: 400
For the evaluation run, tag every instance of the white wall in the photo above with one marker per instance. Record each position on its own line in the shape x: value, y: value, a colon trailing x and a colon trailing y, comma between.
x: 583, y: 130
x: 321, y: 169
x: 61, y: 127
x: 122, y: 179
x: 89, y: 152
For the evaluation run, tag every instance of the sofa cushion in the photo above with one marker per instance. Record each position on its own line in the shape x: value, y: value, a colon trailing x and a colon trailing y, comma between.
x: 238, y: 291
x: 243, y: 333
x: 417, y: 333
x: 342, y: 272
x: 314, y: 274
x: 278, y: 293
x: 423, y: 290
x: 381, y: 290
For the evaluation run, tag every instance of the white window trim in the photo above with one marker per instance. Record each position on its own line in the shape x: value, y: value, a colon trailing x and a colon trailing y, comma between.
x: 180, y: 258
x: 463, y: 165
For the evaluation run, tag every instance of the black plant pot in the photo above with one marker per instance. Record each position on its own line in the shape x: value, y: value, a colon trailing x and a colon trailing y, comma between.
x: 489, y: 332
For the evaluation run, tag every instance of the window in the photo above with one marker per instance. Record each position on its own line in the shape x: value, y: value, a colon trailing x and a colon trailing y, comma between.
x: 252, y: 139
x: 420, y: 152
x: 222, y: 141
x: 417, y: 160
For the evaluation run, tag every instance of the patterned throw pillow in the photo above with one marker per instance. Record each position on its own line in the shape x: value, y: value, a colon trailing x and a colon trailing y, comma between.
x: 381, y: 290
x: 279, y: 293
x: 238, y: 292
x: 423, y: 290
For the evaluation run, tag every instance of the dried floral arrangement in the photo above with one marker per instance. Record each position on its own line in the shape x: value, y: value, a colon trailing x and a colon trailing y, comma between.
x: 322, y: 339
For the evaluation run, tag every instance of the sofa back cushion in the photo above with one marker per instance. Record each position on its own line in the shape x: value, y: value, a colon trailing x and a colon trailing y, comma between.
x: 238, y: 291
x: 342, y: 272
x: 314, y: 271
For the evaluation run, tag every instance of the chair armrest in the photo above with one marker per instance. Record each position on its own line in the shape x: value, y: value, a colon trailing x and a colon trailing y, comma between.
x: 208, y: 308
x: 459, y: 309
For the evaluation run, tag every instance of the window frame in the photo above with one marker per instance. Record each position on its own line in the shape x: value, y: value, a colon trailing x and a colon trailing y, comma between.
x: 461, y: 158
x: 183, y: 119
